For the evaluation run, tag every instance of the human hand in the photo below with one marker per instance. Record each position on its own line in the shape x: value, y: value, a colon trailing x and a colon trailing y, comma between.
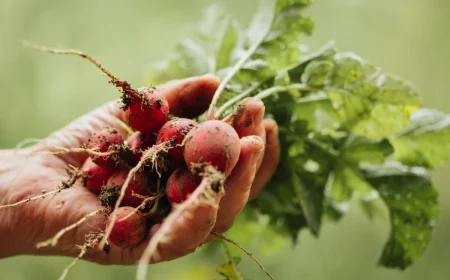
x: 23, y: 176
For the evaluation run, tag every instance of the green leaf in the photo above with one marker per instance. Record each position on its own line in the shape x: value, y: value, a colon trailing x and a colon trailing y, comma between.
x: 280, y: 46
x: 369, y: 103
x: 317, y: 110
x: 317, y: 73
x: 413, y: 207
x: 208, y: 51
x: 372, y: 207
x: 343, y: 181
x: 426, y: 142
x: 361, y: 149
x: 311, y: 200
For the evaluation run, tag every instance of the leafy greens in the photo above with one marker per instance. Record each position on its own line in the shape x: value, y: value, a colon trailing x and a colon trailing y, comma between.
x: 347, y: 130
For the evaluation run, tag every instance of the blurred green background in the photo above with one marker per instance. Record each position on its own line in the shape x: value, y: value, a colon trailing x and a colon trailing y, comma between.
x: 42, y: 92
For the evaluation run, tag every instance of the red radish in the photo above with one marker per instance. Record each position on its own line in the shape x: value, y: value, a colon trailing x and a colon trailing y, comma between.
x: 175, y: 131
x: 149, y: 113
x: 137, y: 185
x: 181, y: 184
x: 137, y: 143
x: 127, y: 232
x: 103, y: 141
x: 213, y: 142
x: 95, y: 176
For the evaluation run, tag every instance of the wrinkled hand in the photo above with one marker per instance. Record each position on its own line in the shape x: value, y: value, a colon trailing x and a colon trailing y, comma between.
x: 23, y: 176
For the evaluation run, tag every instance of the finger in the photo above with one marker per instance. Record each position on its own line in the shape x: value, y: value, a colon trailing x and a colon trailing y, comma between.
x: 270, y: 159
x: 190, y: 97
x: 248, y: 118
x: 238, y: 184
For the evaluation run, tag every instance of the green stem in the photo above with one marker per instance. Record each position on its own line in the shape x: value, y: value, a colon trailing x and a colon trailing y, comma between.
x: 261, y: 17
x: 235, y: 99
x: 263, y: 94
x: 268, y: 92
x: 211, y: 111
x: 331, y: 152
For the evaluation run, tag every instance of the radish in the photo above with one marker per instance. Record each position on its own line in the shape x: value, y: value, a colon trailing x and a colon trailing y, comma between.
x: 105, y: 140
x: 129, y: 228
x: 136, y: 191
x: 147, y: 113
x: 181, y: 184
x: 95, y: 176
x: 175, y: 131
x: 213, y: 142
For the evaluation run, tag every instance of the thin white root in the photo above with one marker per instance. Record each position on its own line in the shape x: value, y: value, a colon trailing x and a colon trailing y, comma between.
x: 60, y: 151
x: 223, y: 237
x: 141, y: 206
x: 54, y: 240
x: 151, y: 155
x: 211, y: 187
x: 71, y: 52
x: 232, y: 262
x: 66, y: 270
x: 74, y: 174
x: 92, y: 241
x: 30, y: 199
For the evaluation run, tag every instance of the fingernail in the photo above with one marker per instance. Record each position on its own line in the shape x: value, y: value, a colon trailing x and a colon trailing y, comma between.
x: 257, y: 153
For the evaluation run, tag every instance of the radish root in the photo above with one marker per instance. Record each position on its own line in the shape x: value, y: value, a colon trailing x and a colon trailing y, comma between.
x: 114, y: 80
x: 223, y: 237
x: 54, y: 240
x: 91, y: 242
x: 74, y: 174
x: 142, y: 205
x: 61, y: 151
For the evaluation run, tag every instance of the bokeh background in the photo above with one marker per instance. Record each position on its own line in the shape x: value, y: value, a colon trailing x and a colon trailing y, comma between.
x: 41, y: 92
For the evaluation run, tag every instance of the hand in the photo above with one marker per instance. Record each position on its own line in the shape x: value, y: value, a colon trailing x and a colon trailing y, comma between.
x: 23, y: 176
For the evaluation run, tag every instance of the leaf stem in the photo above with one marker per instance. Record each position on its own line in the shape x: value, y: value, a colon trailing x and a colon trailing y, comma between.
x: 268, y: 92
x: 261, y: 95
x: 235, y: 99
x: 261, y: 16
x: 211, y: 111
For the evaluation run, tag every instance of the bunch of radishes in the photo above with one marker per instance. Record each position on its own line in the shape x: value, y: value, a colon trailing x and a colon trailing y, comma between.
x: 164, y: 166
x: 161, y: 161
